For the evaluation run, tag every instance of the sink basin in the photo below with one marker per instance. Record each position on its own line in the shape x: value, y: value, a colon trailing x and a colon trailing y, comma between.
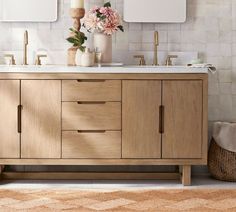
x: 96, y: 70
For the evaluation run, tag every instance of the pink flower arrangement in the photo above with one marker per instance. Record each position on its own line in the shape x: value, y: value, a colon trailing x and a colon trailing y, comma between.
x: 103, y: 19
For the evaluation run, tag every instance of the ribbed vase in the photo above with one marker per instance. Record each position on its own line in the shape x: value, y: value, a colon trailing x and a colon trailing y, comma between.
x: 103, y: 44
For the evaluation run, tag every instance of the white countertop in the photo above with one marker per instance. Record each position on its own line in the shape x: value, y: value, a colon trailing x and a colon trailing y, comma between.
x: 103, y: 70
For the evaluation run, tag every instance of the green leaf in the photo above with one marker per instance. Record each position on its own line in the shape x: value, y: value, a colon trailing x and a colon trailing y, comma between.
x: 82, y: 48
x: 121, y: 28
x: 108, y: 4
x: 74, y: 31
x: 71, y: 40
x: 77, y: 39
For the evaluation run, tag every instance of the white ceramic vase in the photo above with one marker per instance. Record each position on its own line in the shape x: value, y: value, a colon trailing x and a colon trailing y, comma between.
x: 87, y: 58
x: 78, y: 56
x: 1, y: 58
x: 103, y: 44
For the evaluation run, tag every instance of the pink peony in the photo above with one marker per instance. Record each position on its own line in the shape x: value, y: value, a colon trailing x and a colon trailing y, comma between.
x: 103, y: 19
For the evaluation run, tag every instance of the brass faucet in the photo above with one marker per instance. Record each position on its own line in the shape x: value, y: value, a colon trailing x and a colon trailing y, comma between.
x: 38, y: 59
x: 156, y: 44
x: 12, y: 59
x: 26, y: 42
x: 141, y: 58
x: 169, y: 61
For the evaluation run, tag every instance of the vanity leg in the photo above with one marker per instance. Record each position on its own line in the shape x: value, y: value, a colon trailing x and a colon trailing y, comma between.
x: 1, y: 170
x: 186, y: 175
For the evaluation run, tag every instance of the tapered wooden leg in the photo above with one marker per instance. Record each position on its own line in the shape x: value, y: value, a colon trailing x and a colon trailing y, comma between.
x: 1, y: 170
x: 186, y: 175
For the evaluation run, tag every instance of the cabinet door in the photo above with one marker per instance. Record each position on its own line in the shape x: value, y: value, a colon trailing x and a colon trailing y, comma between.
x: 9, y: 137
x: 41, y: 119
x: 182, y: 136
x: 140, y: 119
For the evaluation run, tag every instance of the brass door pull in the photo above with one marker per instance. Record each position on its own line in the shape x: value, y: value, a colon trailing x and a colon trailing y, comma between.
x: 91, y: 131
x: 91, y: 103
x: 161, y: 119
x: 19, y: 117
x: 88, y: 80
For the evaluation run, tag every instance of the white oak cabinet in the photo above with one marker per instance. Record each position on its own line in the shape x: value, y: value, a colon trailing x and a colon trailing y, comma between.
x: 41, y: 119
x: 9, y: 134
x: 104, y: 119
x: 140, y: 119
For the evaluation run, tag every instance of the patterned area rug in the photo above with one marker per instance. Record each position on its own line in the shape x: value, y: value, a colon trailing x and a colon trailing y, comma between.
x: 136, y: 200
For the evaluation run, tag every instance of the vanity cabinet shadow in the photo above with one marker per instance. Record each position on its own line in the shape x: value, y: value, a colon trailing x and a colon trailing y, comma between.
x: 41, y: 119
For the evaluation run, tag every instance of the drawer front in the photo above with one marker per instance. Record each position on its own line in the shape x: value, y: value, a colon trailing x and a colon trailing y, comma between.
x: 91, y: 116
x: 107, y: 90
x: 91, y: 145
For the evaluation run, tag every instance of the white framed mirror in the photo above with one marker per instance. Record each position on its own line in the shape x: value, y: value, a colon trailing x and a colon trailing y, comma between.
x: 155, y: 11
x: 28, y: 10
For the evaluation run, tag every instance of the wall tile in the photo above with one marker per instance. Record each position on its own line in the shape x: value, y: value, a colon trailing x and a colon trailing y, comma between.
x: 210, y: 29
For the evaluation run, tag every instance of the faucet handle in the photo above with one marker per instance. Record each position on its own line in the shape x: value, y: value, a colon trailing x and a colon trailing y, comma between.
x: 12, y: 59
x: 38, y: 59
x: 142, y: 61
x: 169, y: 61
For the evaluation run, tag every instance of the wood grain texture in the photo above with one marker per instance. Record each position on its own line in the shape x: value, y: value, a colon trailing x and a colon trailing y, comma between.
x: 91, y: 145
x: 140, y: 119
x: 103, y: 162
x: 186, y: 176
x: 9, y: 137
x: 205, y: 121
x: 93, y: 116
x: 41, y: 119
x: 108, y: 90
x: 182, y: 136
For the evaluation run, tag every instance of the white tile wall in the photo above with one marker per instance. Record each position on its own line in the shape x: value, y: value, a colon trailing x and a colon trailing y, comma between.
x: 210, y: 29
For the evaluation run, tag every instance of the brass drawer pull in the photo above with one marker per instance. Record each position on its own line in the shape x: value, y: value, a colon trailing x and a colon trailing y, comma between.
x: 161, y: 119
x: 19, y: 116
x: 91, y: 103
x: 91, y: 131
x: 91, y: 80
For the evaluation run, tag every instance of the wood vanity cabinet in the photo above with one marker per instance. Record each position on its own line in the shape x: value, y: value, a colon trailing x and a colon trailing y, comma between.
x: 41, y: 119
x: 140, y: 119
x: 183, y: 113
x: 104, y: 119
x: 9, y: 136
x: 162, y: 119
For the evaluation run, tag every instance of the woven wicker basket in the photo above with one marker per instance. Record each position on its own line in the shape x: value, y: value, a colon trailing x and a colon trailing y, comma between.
x: 222, y: 163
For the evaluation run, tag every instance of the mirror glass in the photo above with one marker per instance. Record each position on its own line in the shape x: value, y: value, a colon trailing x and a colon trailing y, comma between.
x: 155, y: 11
x: 28, y: 10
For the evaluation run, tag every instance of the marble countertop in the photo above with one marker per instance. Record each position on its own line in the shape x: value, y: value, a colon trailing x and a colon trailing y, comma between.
x: 103, y: 70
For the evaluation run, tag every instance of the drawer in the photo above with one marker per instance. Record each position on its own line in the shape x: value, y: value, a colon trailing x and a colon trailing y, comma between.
x: 91, y: 144
x: 91, y: 116
x: 103, y: 90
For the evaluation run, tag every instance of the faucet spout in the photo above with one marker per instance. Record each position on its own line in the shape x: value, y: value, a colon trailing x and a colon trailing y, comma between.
x: 156, y: 44
x: 26, y: 42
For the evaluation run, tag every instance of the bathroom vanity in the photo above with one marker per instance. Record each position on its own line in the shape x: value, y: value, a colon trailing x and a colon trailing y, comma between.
x: 104, y: 116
